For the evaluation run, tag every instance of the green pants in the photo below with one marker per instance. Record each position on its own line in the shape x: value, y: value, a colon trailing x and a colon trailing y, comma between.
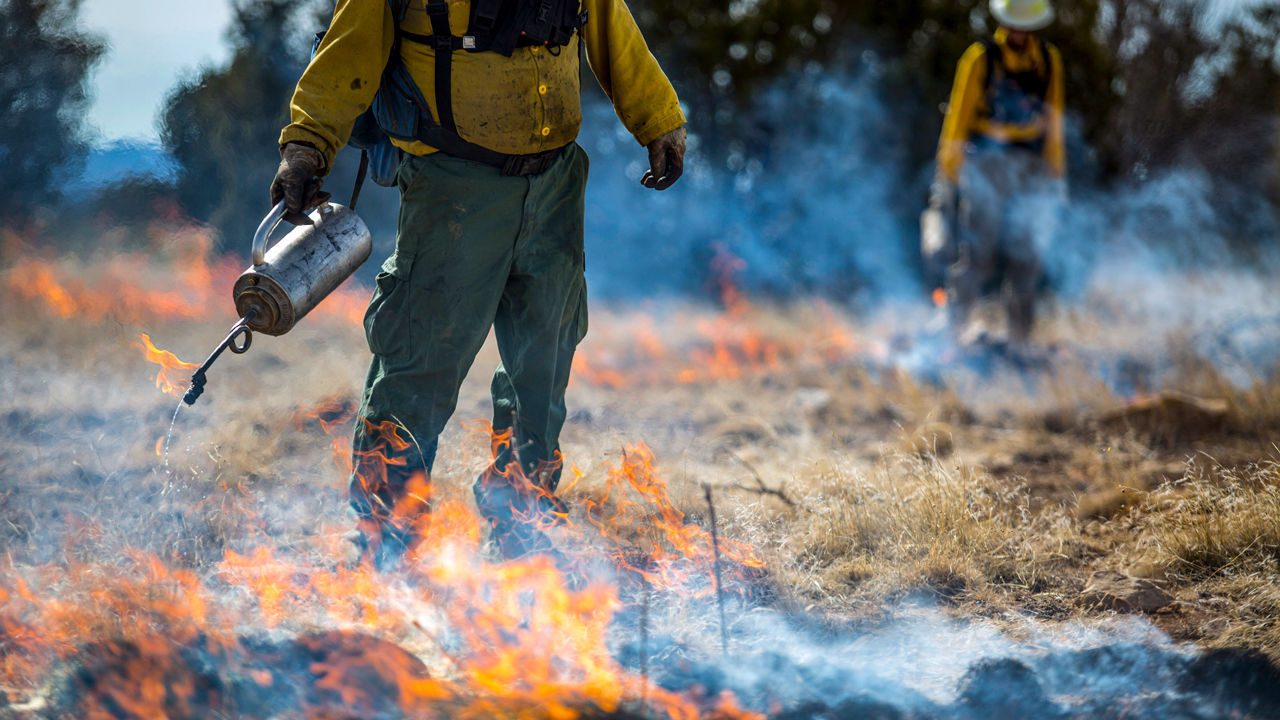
x: 475, y: 249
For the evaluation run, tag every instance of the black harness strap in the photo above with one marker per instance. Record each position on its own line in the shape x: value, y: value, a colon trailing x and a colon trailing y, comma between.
x: 995, y: 61
x: 445, y: 43
x: 360, y: 173
x: 428, y: 131
x: 442, y: 133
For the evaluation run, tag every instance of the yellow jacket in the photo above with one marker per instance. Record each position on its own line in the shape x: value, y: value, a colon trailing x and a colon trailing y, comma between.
x: 523, y: 104
x: 967, y: 109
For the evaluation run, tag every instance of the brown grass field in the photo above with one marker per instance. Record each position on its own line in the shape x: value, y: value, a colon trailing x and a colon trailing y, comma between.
x: 869, y: 488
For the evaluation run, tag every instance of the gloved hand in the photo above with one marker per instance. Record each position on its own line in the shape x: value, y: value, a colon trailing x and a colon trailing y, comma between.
x: 666, y: 160
x: 297, y: 182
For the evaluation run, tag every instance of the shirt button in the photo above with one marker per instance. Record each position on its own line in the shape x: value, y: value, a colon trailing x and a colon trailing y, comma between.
x: 546, y: 131
x: 542, y: 89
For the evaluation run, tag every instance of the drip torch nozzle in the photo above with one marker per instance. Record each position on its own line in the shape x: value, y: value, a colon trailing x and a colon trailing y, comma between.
x: 198, y: 379
x: 197, y: 387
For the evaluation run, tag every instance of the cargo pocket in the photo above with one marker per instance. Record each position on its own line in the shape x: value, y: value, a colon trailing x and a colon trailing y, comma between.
x: 576, y: 329
x: 386, y: 321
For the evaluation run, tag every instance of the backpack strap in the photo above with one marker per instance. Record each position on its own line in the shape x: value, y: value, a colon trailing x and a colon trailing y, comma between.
x: 444, y: 43
x: 438, y: 11
x: 1045, y: 48
x: 359, y: 183
x: 442, y: 134
x: 994, y: 60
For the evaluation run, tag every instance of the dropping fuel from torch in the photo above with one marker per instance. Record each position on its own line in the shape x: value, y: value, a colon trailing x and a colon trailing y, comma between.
x: 284, y: 283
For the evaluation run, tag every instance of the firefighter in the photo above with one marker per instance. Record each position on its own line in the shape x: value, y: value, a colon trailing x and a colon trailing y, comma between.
x: 1000, y: 167
x: 490, y: 230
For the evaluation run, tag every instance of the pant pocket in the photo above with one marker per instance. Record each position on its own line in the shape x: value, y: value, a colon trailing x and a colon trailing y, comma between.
x: 386, y: 321
x: 576, y: 330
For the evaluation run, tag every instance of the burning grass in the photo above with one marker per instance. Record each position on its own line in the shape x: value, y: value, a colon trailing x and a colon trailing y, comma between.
x: 858, y: 469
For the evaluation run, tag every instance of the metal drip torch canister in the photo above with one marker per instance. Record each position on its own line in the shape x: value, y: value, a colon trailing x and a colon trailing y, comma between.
x: 287, y: 281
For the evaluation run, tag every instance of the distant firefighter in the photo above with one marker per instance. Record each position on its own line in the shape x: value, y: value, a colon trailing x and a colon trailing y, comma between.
x: 1001, y: 167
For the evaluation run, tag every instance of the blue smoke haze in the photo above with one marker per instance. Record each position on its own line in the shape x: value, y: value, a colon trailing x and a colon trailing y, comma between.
x: 817, y: 193
x: 815, y: 206
x: 826, y: 202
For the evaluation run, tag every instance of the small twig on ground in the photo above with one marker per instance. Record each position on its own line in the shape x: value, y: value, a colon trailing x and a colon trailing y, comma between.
x: 761, y: 488
x: 715, y: 544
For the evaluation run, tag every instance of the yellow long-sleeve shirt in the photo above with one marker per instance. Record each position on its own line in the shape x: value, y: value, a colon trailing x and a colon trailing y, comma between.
x: 527, y: 103
x: 967, y: 110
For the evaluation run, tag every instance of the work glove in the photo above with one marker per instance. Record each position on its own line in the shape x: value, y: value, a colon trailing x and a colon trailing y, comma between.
x: 666, y: 160
x: 297, y: 182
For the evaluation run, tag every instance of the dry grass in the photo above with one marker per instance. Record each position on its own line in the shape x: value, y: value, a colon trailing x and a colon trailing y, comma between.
x: 1221, y: 522
x: 863, y: 484
x: 908, y: 523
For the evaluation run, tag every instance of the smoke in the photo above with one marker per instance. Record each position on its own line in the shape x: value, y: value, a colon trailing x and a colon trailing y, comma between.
x: 924, y: 664
x: 1176, y: 221
x: 820, y: 201
x: 816, y: 193
x: 810, y: 195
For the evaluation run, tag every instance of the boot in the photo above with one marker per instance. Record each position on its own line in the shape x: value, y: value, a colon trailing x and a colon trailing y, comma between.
x: 517, y: 511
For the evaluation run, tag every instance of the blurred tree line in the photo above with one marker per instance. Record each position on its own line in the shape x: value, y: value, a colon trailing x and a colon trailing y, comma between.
x: 1150, y: 84
x: 44, y: 95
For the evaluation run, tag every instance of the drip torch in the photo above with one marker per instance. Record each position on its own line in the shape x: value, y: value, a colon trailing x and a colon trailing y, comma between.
x: 284, y: 283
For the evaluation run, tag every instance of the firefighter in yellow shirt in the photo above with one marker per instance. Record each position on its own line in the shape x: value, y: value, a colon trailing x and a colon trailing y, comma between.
x: 1001, y: 166
x: 484, y: 102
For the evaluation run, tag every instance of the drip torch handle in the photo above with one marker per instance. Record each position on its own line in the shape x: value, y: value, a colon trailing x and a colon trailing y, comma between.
x: 265, y: 228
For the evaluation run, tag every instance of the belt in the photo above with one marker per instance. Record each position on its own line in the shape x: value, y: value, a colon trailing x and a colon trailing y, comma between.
x: 531, y: 164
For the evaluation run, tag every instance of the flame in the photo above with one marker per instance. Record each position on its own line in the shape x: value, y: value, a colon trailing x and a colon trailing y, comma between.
x: 177, y: 279
x: 167, y: 378
x: 939, y: 297
x: 678, y: 555
x: 452, y: 634
x: 527, y: 638
x: 640, y: 350
x: 723, y: 265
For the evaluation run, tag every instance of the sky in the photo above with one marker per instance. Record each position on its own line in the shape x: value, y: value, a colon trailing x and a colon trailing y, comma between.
x: 154, y: 43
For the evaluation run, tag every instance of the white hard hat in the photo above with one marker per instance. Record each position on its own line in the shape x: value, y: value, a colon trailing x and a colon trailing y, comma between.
x: 1028, y: 15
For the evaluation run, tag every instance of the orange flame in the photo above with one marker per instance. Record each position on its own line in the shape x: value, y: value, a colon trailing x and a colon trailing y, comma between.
x: 724, y: 264
x: 167, y: 378
x: 939, y: 297
x: 178, y: 279
x: 519, y: 639
x: 680, y: 555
